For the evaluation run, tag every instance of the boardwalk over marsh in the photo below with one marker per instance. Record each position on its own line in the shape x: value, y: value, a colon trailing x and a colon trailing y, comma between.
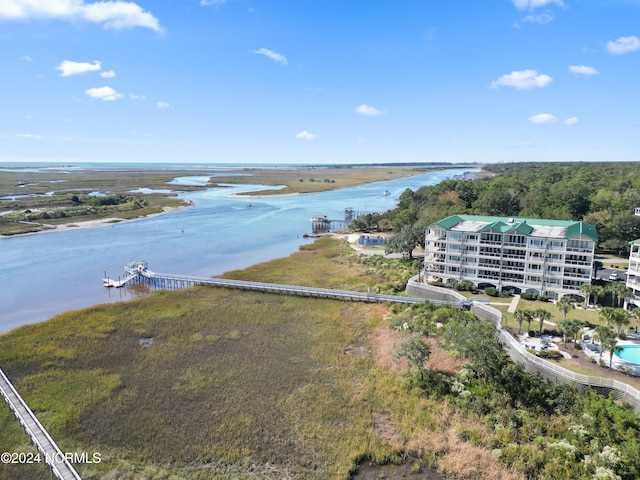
x: 47, y: 448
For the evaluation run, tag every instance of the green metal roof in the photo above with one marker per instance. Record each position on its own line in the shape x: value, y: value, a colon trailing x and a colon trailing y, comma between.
x: 520, y: 224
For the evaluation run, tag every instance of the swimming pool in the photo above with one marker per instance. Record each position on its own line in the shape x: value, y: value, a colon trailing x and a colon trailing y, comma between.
x: 630, y: 353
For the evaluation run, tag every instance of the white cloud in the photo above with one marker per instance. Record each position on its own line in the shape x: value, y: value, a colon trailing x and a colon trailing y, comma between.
x: 26, y: 58
x: 368, y: 110
x: 543, y: 118
x: 68, y: 68
x: 103, y: 93
x: 136, y: 97
x: 583, y: 70
x: 623, y: 45
x: 571, y: 121
x: 207, y: 3
x: 162, y: 105
x: 522, y: 80
x: 272, y: 55
x: 116, y: 14
x: 108, y: 74
x: 532, y: 4
x: 541, y: 18
x: 304, y: 135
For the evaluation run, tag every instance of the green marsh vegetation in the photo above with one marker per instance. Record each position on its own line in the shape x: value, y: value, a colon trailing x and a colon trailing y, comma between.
x: 239, y: 385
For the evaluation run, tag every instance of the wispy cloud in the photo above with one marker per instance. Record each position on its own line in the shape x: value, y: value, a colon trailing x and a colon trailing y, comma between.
x: 540, y: 18
x: 623, y: 45
x: 543, y: 118
x: 116, y: 14
x: 305, y: 135
x: 583, y: 70
x: 103, y: 93
x: 571, y: 121
x: 26, y: 58
x: 522, y: 80
x: 368, y: 110
x: 133, y: 96
x: 108, y: 74
x: 272, y: 55
x: 209, y: 3
x: 533, y: 4
x: 68, y: 68
x: 162, y: 105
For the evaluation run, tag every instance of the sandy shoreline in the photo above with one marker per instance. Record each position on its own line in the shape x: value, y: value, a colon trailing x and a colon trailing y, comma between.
x: 102, y: 222
x: 249, y: 195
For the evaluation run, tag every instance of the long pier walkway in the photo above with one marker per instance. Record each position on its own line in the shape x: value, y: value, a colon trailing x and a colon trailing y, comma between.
x: 138, y: 273
x: 47, y: 448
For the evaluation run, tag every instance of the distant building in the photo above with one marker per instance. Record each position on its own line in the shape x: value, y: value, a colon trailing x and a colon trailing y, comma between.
x: 372, y: 240
x: 548, y: 257
x: 636, y: 211
x: 633, y: 273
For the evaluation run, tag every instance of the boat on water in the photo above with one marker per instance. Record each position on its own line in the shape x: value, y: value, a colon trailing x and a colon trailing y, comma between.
x: 386, y: 193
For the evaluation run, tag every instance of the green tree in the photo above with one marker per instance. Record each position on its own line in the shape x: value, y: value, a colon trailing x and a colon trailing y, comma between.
x: 610, y: 343
x: 621, y: 318
x: 598, y: 291
x: 476, y: 340
x: 569, y: 328
x: 587, y: 289
x: 416, y: 351
x: 541, y: 314
x: 618, y: 292
x: 597, y: 265
x: 565, y: 304
x: 607, y: 314
x: 602, y: 335
x: 405, y: 241
x: 523, y: 316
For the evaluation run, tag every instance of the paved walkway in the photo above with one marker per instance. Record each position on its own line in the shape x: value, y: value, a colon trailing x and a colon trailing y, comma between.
x: 513, y: 306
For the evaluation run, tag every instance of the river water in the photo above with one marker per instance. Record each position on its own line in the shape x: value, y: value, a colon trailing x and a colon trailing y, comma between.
x: 46, y: 274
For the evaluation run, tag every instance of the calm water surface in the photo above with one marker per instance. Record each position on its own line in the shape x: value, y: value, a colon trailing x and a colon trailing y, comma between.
x: 46, y: 274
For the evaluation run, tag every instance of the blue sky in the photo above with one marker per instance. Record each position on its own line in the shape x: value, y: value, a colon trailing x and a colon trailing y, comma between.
x: 319, y: 81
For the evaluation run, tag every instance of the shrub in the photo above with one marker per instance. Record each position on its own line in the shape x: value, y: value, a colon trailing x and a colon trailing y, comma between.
x: 491, y: 291
x: 529, y: 296
x: 552, y: 354
x: 462, y: 286
x: 542, y: 298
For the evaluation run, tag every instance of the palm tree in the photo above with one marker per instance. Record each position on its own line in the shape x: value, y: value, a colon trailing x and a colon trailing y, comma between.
x: 565, y: 304
x: 588, y: 290
x: 602, y: 335
x: 574, y: 328
x: 607, y: 314
x: 610, y: 343
x: 541, y: 314
x: 598, y: 291
x: 522, y: 316
x: 597, y: 265
x: 563, y: 328
x: 621, y: 318
x: 618, y: 293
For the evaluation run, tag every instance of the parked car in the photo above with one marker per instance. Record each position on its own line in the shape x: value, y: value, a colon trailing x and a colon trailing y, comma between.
x: 614, y: 277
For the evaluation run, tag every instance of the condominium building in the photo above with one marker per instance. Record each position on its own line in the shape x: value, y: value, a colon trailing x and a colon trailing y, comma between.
x: 548, y: 257
x: 633, y: 274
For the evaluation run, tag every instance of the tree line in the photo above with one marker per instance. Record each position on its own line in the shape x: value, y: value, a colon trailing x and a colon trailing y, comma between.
x: 602, y: 194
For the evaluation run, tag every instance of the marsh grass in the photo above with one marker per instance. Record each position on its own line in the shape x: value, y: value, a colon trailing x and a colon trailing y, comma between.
x: 232, y: 378
x: 236, y: 385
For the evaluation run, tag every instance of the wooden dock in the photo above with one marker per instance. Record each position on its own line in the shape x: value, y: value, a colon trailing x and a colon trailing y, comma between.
x: 144, y: 276
x: 47, y: 448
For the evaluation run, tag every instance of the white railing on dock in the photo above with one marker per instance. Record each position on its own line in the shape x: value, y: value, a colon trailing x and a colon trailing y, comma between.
x: 49, y: 450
